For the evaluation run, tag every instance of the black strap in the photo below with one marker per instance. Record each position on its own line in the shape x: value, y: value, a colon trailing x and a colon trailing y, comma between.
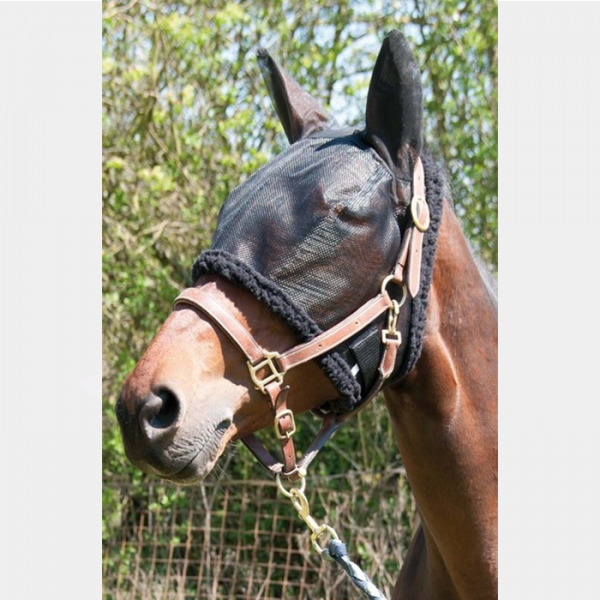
x: 366, y: 350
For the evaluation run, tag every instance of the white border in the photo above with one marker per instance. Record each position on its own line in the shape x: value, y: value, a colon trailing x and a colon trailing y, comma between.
x: 550, y: 220
x: 50, y: 238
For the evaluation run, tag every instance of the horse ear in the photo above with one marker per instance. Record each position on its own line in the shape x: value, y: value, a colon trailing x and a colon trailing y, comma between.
x: 299, y: 113
x: 395, y: 109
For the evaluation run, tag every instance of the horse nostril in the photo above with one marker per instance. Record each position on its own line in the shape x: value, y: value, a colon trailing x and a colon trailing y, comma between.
x: 159, y: 413
x: 168, y: 412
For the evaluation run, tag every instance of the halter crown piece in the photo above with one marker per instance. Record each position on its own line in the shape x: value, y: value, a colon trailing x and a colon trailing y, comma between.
x: 267, y: 369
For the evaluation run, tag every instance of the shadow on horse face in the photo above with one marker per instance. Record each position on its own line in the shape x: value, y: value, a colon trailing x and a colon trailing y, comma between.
x: 322, y: 222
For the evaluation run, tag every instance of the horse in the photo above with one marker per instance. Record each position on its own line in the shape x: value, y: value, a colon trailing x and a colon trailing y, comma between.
x: 345, y: 248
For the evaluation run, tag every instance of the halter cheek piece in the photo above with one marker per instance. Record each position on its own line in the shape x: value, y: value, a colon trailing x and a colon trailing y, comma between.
x: 267, y: 369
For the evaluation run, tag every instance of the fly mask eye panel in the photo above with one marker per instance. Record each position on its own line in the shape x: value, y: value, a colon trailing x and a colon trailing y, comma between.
x: 319, y: 223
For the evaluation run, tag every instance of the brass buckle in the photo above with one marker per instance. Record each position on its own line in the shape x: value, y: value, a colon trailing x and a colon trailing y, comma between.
x: 392, y: 332
x: 420, y: 213
x: 275, y: 375
x: 288, y: 434
x: 391, y: 335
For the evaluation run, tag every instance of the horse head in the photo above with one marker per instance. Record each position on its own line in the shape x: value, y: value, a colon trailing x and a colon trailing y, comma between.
x: 303, y: 243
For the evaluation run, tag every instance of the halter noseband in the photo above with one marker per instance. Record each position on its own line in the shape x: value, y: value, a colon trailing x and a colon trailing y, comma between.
x: 267, y: 369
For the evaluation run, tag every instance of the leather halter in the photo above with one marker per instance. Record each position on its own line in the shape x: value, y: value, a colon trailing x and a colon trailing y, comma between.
x: 267, y: 369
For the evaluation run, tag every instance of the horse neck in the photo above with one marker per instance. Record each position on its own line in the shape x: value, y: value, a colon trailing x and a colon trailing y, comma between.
x: 444, y: 415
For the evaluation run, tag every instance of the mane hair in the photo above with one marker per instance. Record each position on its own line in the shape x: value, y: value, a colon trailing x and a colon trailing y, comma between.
x: 486, y: 271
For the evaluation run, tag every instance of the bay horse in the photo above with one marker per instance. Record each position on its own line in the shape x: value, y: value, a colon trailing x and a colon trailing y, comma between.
x: 301, y: 248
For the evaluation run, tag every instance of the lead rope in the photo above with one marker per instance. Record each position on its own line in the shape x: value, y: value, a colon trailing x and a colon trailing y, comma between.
x: 335, y: 550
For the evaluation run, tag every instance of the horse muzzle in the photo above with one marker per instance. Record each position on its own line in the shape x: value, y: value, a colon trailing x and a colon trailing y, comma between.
x: 158, y: 441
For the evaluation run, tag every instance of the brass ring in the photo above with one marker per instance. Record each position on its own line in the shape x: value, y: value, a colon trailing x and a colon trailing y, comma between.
x: 400, y: 283
x: 284, y: 491
x: 386, y: 281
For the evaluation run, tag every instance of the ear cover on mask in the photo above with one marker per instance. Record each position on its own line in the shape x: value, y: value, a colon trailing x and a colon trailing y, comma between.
x: 394, y: 115
x: 299, y: 113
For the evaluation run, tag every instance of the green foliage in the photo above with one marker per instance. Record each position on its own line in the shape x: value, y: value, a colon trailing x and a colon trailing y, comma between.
x: 186, y: 118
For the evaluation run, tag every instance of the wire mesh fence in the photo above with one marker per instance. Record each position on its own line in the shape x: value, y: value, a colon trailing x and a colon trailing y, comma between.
x: 241, y: 540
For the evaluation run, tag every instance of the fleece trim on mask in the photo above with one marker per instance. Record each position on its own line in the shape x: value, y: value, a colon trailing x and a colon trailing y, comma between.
x: 224, y: 264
